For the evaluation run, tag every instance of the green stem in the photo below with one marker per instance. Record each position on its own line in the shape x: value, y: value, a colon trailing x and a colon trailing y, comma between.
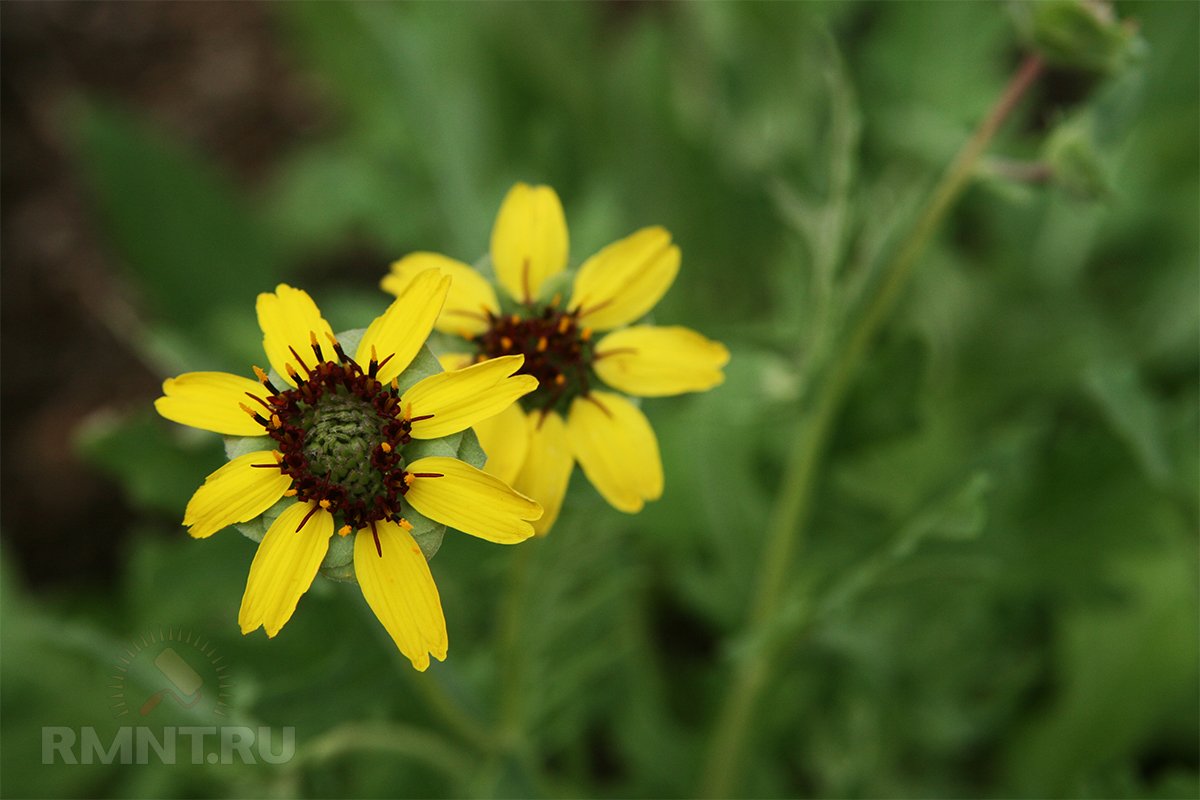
x: 511, y: 659
x: 402, y: 740
x: 449, y: 710
x: 787, y: 527
x: 508, y: 737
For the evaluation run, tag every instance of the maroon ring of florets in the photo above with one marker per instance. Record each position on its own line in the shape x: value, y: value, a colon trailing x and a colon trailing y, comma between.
x: 558, y: 350
x: 282, y: 417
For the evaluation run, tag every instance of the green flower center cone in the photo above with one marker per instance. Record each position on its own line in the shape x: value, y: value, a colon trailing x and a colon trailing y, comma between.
x: 341, y: 434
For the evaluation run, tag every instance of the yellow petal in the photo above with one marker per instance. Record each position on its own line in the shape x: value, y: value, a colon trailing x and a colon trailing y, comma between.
x: 399, y: 588
x: 209, y: 401
x: 470, y: 500
x: 529, y: 240
x: 457, y: 400
x: 547, y: 469
x: 453, y: 361
x: 398, y: 333
x: 471, y: 297
x: 236, y: 492
x: 653, y: 362
x: 505, y: 439
x: 284, y: 566
x: 614, y: 443
x: 626, y: 279
x: 288, y: 318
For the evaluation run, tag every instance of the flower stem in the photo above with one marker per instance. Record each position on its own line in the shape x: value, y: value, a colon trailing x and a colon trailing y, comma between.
x: 402, y: 740
x: 787, y: 527
x: 511, y: 659
x: 445, y: 707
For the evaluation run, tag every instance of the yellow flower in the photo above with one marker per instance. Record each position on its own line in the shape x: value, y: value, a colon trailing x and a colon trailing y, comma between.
x: 535, y: 444
x: 333, y: 440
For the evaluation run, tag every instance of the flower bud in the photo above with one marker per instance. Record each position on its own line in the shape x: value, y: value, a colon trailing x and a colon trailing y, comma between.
x: 1074, y: 161
x: 1079, y: 34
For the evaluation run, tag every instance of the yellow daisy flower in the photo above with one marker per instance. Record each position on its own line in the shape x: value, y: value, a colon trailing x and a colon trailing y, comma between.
x: 334, y: 436
x: 534, y: 444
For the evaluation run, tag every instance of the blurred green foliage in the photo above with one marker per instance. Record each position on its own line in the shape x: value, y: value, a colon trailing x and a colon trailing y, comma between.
x: 998, y: 595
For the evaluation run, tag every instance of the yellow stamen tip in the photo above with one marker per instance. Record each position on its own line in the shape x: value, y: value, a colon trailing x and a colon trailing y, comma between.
x: 542, y: 344
x: 405, y: 524
x: 385, y: 447
x: 395, y: 384
x: 585, y: 334
x: 312, y: 338
x: 409, y: 478
x: 506, y: 342
x: 344, y: 530
x: 276, y: 422
x: 247, y: 409
x: 278, y: 456
x: 290, y: 493
x: 560, y: 379
x: 258, y: 373
x: 325, y: 504
x: 514, y: 319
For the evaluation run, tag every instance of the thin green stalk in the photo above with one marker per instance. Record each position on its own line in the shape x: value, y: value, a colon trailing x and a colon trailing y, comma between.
x: 508, y: 735
x: 445, y: 707
x: 386, y: 737
x: 511, y: 659
x: 789, y: 518
x: 506, y: 739
x: 449, y: 710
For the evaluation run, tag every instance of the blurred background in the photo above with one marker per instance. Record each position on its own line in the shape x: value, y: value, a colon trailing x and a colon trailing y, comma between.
x: 997, y: 590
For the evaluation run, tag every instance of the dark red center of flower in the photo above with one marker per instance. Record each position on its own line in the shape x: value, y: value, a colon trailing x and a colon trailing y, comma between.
x: 339, y: 434
x: 558, y: 351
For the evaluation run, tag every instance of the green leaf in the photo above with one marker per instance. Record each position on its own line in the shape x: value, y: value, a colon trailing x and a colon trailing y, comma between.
x: 179, y: 225
x: 382, y: 81
x: 1127, y: 669
x: 957, y: 516
x: 138, y: 452
x: 1133, y: 415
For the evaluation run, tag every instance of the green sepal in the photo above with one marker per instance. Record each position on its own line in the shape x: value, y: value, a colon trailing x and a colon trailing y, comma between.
x: 560, y: 284
x: 339, y: 560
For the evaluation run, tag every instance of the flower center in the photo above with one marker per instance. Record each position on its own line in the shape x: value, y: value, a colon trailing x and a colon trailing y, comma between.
x: 339, y: 434
x: 558, y: 352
